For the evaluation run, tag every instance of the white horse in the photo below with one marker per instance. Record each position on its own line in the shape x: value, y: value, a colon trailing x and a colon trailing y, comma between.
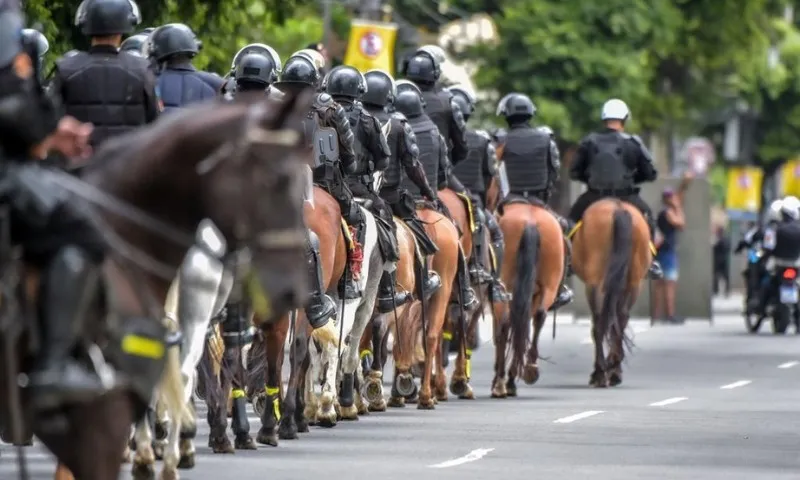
x: 196, y: 295
x: 328, y: 341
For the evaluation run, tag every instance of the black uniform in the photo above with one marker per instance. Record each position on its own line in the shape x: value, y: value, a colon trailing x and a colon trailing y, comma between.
x: 115, y: 91
x: 531, y: 161
x: 781, y: 242
x: 480, y: 166
x: 612, y: 164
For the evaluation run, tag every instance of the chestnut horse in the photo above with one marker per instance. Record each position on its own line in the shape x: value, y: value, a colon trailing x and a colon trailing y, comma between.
x: 532, y: 270
x: 149, y: 190
x: 611, y: 254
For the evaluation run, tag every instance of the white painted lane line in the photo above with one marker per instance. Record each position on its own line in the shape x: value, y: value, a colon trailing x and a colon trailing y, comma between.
x: 740, y: 383
x: 669, y: 401
x: 579, y: 416
x: 472, y: 456
x: 788, y: 364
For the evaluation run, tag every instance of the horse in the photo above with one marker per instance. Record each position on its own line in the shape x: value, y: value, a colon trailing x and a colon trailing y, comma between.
x: 456, y: 319
x: 335, y: 354
x: 611, y: 255
x: 182, y: 168
x: 532, y: 270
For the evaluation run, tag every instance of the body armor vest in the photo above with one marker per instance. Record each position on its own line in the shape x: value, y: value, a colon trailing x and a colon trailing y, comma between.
x: 428, y: 142
x: 106, y: 90
x: 354, y: 116
x: 526, y: 159
x: 438, y: 109
x: 181, y: 87
x: 470, y: 170
x: 607, y: 168
x: 393, y: 128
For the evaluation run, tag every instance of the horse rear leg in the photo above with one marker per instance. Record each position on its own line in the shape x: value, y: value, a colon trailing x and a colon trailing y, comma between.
x: 501, y: 329
x: 373, y: 376
x: 216, y: 400
x: 144, y: 458
x: 274, y: 339
x: 530, y: 372
x: 459, y: 383
x: 616, y: 353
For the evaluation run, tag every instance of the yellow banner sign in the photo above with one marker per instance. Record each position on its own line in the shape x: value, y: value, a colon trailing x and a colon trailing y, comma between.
x: 371, y: 46
x: 744, y: 189
x: 790, y: 178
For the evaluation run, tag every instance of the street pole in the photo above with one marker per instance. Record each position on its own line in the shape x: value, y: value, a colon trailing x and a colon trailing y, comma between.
x: 326, y: 23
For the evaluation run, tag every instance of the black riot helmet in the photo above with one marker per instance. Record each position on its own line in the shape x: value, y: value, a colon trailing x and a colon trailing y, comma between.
x: 135, y: 44
x: 257, y: 48
x: 299, y: 69
x: 516, y: 105
x: 173, y: 39
x: 256, y: 68
x: 345, y: 81
x: 406, y: 85
x: 468, y: 97
x: 97, y: 18
x: 381, y: 89
x: 409, y: 103
x: 463, y: 105
x: 423, y: 67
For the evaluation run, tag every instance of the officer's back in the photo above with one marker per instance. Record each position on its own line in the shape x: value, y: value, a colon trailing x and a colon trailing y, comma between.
x: 614, y: 159
x: 173, y: 46
x: 527, y: 150
x: 113, y: 90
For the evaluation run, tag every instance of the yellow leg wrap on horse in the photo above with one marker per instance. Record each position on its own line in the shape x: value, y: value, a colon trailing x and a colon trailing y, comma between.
x: 653, y: 249
x: 470, y: 213
x: 144, y: 347
x: 276, y: 402
x: 364, y: 353
x: 447, y: 336
x: 237, y: 393
x: 574, y: 229
x: 468, y: 367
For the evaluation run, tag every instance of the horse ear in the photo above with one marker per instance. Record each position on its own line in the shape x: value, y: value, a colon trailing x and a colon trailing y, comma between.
x: 293, y: 108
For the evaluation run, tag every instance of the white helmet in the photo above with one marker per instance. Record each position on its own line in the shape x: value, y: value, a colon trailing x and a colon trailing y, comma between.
x: 774, y: 211
x: 615, y: 109
x: 791, y: 207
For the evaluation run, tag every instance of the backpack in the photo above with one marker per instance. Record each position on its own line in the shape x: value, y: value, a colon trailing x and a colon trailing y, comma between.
x: 322, y: 141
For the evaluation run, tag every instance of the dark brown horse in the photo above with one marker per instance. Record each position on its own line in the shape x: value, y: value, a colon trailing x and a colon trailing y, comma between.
x: 611, y: 254
x: 238, y: 165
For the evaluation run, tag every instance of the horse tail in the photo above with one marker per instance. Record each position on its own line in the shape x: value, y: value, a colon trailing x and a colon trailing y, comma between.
x: 615, y: 281
x: 527, y: 259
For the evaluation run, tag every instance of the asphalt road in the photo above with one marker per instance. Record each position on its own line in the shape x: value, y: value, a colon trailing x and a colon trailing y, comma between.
x: 698, y: 402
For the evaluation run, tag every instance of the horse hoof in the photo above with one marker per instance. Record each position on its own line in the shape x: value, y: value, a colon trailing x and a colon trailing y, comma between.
x: 614, y: 379
x: 221, y: 445
x: 378, y: 406
x: 397, y: 402
x: 158, y: 450
x: 326, y: 422
x: 458, y: 387
x: 441, y: 396
x: 143, y: 471
x: 373, y: 390
x: 186, y: 461
x: 530, y: 374
x: 244, y: 442
x: 468, y: 394
x: 260, y: 404
x: 498, y: 394
x: 349, y: 413
x: 168, y: 475
x: 499, y: 390
x: 511, y: 390
x: 426, y: 405
x: 302, y: 426
x: 286, y: 431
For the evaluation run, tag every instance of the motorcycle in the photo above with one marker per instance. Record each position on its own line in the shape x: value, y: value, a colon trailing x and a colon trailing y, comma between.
x: 782, y: 306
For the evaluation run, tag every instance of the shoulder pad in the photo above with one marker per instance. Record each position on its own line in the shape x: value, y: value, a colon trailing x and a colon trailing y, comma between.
x: 323, y: 100
x: 449, y: 94
x: 399, y: 116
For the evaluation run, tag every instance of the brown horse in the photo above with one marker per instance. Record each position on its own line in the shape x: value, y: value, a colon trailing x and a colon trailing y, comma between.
x: 532, y: 270
x: 148, y: 190
x: 445, y: 263
x: 611, y: 254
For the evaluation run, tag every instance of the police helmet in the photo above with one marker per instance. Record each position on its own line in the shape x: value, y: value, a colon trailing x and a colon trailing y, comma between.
x: 409, y: 103
x: 345, y: 81
x: 316, y: 58
x: 516, y: 104
x: 135, y: 44
x: 615, y: 109
x: 434, y: 51
x: 107, y: 17
x: 173, y: 39
x: 423, y: 67
x: 774, y: 211
x: 790, y: 208
x: 258, y: 48
x: 299, y: 69
x: 256, y: 68
x: 461, y: 90
x: 403, y: 85
x: 463, y: 105
x: 35, y: 37
x: 381, y: 89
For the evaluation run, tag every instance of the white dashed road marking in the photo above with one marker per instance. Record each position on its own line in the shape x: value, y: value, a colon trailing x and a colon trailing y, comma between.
x: 740, y: 383
x: 669, y: 401
x: 578, y: 416
x: 472, y: 456
x: 788, y: 364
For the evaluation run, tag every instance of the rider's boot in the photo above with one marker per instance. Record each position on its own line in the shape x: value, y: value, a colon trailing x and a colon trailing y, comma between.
x: 467, y: 293
x: 477, y: 270
x: 654, y: 271
x: 565, y: 294
x: 388, y: 297
x: 66, y: 294
x: 320, y: 307
x: 497, y: 251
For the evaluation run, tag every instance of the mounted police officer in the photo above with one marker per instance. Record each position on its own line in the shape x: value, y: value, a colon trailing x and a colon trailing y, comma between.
x: 424, y: 69
x: 230, y: 79
x: 346, y: 85
x: 326, y: 118
x: 475, y: 173
x: 612, y: 163
x: 55, y: 237
x: 257, y: 72
x: 403, y: 162
x: 173, y: 46
x: 433, y: 157
x: 531, y: 162
x: 126, y: 98
x: 781, y: 244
